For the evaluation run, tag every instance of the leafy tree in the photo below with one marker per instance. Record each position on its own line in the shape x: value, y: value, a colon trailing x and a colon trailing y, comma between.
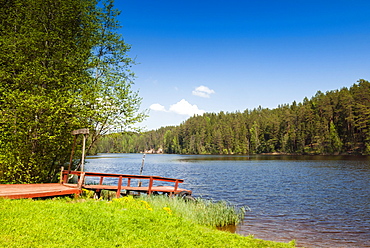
x: 114, y: 105
x: 63, y: 67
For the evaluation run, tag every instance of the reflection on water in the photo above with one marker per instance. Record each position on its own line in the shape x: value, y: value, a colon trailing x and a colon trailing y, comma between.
x: 320, y: 201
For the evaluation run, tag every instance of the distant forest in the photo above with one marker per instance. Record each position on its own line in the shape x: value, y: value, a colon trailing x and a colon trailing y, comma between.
x: 335, y: 122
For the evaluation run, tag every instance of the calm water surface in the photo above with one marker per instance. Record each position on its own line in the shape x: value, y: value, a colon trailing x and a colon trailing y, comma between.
x: 319, y: 201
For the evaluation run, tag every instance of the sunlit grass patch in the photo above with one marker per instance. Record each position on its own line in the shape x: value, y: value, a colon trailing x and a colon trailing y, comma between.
x: 125, y: 222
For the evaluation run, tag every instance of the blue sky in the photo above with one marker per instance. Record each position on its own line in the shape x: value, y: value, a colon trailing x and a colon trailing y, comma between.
x: 211, y: 56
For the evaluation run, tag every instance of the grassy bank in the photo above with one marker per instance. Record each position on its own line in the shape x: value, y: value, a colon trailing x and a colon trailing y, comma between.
x: 124, y: 222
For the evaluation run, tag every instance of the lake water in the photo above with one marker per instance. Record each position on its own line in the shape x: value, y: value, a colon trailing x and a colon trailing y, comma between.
x: 320, y: 201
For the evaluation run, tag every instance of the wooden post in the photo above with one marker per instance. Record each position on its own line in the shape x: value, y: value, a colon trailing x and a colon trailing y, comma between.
x: 118, y: 193
x: 150, y: 186
x: 176, y: 185
x: 83, y: 131
x: 98, y: 191
x: 61, y: 175
x: 65, y: 178
x: 141, y: 169
x: 128, y: 182
x: 83, y: 152
x: 81, y: 181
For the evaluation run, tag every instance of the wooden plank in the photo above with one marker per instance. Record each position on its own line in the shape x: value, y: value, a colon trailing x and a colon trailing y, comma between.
x: 17, y: 191
x: 80, y: 131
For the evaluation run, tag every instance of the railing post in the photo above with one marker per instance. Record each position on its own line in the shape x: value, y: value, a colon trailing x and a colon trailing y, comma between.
x: 98, y: 191
x: 128, y: 182
x: 61, y: 175
x: 118, y: 193
x: 150, y: 186
x: 176, y: 185
x: 81, y: 181
x: 65, y: 176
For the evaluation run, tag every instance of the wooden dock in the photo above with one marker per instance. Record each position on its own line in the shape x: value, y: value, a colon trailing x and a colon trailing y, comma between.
x: 17, y: 191
x: 128, y: 187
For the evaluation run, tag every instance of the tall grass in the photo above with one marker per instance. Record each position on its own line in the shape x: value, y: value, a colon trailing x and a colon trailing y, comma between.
x: 201, y: 211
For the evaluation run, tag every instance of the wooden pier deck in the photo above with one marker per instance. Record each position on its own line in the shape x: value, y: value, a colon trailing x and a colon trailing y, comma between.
x: 128, y: 188
x: 17, y: 191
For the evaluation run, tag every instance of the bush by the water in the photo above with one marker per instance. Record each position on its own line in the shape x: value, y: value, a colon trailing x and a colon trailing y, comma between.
x: 123, y: 222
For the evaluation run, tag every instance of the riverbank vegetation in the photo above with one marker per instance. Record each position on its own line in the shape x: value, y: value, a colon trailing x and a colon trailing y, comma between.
x: 200, y: 211
x: 124, y: 222
x: 334, y: 122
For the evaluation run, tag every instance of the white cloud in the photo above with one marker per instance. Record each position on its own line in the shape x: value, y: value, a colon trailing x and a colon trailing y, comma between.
x: 203, y: 91
x: 157, y: 107
x: 183, y: 107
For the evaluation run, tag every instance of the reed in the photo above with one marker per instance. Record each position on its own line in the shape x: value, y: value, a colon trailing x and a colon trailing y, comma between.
x: 202, y: 211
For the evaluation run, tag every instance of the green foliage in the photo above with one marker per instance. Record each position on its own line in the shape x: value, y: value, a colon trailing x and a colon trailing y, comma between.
x: 331, y: 123
x: 63, y: 67
x: 89, y: 223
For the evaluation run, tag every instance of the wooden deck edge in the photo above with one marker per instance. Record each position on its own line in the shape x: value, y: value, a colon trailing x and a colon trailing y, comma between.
x: 18, y: 191
x: 41, y: 194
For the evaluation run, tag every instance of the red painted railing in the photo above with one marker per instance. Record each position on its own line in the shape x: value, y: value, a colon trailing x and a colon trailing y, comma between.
x: 149, y: 189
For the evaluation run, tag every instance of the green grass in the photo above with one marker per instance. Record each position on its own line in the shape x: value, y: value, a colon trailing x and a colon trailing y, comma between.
x: 124, y: 222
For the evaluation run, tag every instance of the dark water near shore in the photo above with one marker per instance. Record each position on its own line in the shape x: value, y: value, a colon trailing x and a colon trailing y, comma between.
x: 320, y: 201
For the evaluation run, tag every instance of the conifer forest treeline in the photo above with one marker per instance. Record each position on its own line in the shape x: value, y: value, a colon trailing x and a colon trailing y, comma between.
x: 335, y: 122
